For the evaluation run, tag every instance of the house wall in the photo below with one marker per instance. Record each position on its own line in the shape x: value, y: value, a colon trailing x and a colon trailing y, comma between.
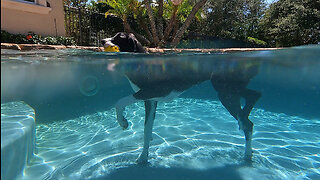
x: 21, y: 17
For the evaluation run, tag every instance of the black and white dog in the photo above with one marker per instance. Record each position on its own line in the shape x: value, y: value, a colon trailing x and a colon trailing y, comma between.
x: 158, y: 80
x: 123, y: 42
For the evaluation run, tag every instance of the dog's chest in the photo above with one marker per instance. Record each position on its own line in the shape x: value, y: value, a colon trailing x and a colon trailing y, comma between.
x: 133, y: 86
x: 161, y: 98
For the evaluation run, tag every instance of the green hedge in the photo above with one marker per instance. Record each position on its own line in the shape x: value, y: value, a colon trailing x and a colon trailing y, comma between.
x: 33, y: 38
x: 257, y: 41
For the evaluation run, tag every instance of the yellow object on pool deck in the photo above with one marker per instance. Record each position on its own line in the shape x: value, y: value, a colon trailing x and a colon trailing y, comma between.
x: 111, y: 49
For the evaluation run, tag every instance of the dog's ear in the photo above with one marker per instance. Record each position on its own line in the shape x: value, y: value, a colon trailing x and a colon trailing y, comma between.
x: 135, y: 44
x: 122, y: 35
x: 131, y: 35
x: 132, y: 42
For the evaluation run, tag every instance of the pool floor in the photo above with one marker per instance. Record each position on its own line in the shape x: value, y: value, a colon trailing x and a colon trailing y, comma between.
x: 192, y: 139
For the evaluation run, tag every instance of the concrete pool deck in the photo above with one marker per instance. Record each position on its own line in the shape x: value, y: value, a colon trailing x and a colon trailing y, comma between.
x: 26, y: 47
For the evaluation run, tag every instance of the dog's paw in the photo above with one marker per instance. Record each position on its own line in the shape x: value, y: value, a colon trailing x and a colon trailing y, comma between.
x: 248, y: 156
x: 123, y: 122
x: 142, y: 160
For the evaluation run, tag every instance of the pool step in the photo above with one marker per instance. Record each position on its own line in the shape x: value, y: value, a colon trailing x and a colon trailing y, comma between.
x: 18, y: 136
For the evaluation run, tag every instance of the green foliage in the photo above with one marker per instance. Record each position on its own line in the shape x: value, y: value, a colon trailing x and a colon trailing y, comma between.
x: 235, y: 19
x: 122, y: 8
x: 283, y: 23
x: 292, y: 23
x: 135, y: 17
x: 32, y: 38
x: 254, y: 11
x: 76, y: 3
x: 107, y: 22
x: 256, y: 41
x: 86, y: 21
x: 184, y: 9
x: 99, y: 7
x: 65, y: 40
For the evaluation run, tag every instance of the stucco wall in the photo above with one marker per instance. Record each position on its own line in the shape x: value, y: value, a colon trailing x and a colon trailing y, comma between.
x: 23, y: 17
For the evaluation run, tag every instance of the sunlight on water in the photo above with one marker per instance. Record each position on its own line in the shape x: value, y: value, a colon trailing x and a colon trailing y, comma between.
x: 188, y: 133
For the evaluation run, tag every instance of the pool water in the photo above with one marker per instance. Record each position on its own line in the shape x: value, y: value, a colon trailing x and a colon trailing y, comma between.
x: 194, y: 137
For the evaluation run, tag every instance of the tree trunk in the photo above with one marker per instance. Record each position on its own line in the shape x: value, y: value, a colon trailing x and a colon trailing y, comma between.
x: 142, y: 39
x: 160, y: 20
x: 144, y: 26
x: 128, y: 29
x: 152, y: 22
x: 175, y: 28
x: 126, y: 25
x: 146, y: 29
x: 169, y: 27
x: 188, y: 21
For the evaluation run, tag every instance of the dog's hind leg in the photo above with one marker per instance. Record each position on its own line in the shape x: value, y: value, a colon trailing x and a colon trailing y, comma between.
x: 150, y: 110
x: 247, y: 127
x: 251, y: 98
x: 120, y: 107
x: 232, y: 103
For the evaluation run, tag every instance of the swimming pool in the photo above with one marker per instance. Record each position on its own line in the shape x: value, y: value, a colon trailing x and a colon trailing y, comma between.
x: 73, y: 94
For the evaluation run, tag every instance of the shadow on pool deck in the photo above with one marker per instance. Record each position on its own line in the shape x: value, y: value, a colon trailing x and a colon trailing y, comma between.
x: 228, y: 172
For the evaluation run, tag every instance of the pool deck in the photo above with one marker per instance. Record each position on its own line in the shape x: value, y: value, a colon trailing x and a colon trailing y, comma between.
x: 26, y: 47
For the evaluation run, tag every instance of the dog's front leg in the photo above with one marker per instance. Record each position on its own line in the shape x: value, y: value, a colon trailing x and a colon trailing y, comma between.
x: 150, y: 113
x: 120, y: 107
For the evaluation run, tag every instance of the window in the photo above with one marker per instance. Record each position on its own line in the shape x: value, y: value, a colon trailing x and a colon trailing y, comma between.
x: 39, y: 2
x: 34, y: 6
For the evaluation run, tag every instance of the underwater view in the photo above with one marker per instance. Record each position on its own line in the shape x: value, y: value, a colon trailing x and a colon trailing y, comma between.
x: 77, y: 114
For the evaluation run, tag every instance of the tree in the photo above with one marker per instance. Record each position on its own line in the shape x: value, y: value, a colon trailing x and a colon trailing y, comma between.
x: 235, y: 19
x: 224, y: 19
x: 292, y: 23
x: 186, y: 24
x: 254, y: 11
x: 123, y: 9
x: 152, y: 22
x: 99, y: 22
x: 158, y: 36
x: 75, y: 3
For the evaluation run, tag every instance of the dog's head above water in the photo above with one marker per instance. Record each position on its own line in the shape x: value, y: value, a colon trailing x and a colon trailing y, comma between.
x: 123, y: 42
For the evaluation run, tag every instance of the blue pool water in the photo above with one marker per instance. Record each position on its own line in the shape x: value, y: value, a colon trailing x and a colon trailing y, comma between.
x: 74, y: 92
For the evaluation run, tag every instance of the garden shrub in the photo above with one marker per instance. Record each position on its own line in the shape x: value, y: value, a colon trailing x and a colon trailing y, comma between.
x: 257, y: 41
x: 33, y: 38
